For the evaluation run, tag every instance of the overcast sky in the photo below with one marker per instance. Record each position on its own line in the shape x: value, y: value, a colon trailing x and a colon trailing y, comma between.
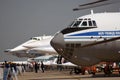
x: 23, y: 19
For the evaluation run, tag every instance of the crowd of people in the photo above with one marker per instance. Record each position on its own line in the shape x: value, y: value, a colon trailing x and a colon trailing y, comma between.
x: 12, y: 70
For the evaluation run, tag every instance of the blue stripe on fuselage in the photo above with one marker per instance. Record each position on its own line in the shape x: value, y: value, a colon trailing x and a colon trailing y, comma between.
x: 98, y: 33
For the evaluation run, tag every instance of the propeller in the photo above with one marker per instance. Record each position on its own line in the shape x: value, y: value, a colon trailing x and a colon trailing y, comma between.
x: 95, y: 4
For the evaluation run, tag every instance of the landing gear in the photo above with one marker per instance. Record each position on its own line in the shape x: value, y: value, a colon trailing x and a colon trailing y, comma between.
x: 78, y: 70
x: 108, y: 70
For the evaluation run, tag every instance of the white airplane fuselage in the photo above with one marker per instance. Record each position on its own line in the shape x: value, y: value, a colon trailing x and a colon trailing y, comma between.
x: 42, y: 46
x: 32, y: 40
x: 31, y: 45
x: 96, y: 38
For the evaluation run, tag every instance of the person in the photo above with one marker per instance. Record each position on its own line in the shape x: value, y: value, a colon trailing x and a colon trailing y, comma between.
x: 5, y: 71
x: 108, y: 70
x: 42, y: 66
x: 13, y: 71
x: 36, y: 67
x: 59, y: 59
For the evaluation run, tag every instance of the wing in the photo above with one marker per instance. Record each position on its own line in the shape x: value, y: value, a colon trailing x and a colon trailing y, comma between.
x: 100, y: 42
x: 95, y: 4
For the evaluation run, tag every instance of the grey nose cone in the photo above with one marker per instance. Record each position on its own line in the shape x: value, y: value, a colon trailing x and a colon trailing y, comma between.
x: 58, y: 41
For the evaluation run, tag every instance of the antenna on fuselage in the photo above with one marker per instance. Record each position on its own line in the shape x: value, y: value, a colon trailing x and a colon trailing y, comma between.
x: 92, y: 12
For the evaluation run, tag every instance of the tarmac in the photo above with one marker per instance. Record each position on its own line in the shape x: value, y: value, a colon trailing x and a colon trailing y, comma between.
x: 64, y: 75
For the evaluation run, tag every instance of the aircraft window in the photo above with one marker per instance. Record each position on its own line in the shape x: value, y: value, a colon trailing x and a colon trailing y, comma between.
x: 76, y: 23
x: 90, y: 23
x: 34, y: 38
x: 84, y: 23
x: 94, y: 23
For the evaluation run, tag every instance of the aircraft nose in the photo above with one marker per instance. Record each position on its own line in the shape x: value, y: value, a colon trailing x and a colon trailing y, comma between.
x: 58, y: 42
x: 19, y: 48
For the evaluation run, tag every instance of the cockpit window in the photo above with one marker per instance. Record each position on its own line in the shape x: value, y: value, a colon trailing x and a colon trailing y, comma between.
x: 90, y: 23
x: 79, y: 25
x: 94, y: 23
x: 76, y: 23
x: 84, y: 23
x: 35, y: 39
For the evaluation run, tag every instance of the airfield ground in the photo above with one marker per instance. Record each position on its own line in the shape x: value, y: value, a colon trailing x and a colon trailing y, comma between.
x: 64, y: 75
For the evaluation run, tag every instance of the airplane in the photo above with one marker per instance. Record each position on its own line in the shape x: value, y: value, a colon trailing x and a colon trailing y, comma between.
x: 88, y: 33
x: 27, y: 45
x: 22, y: 48
x: 91, y: 38
x: 21, y: 51
x: 46, y: 59
x: 51, y: 60
x: 42, y: 46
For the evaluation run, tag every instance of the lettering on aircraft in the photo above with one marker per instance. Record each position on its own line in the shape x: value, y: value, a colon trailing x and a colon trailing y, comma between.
x: 98, y: 33
x: 109, y: 33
